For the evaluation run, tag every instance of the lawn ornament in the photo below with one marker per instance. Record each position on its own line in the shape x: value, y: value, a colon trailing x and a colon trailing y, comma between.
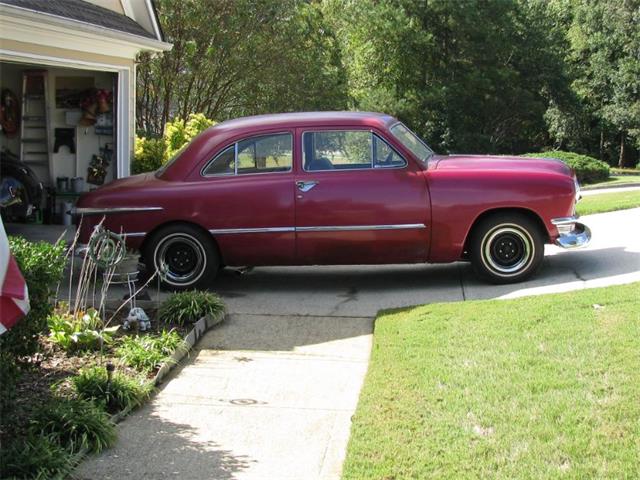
x: 106, y: 248
x: 137, y: 320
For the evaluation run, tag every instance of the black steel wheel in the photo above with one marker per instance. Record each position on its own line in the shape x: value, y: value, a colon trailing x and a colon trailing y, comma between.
x: 506, y: 248
x: 185, y: 257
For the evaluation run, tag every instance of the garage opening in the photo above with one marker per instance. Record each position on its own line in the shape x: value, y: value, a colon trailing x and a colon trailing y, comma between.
x: 57, y: 138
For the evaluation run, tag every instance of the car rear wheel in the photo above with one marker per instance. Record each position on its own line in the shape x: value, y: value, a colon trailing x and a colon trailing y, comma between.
x: 184, y: 256
x: 506, y: 248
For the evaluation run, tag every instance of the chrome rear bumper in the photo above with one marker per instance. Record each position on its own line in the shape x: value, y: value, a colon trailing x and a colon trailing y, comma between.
x: 573, y: 234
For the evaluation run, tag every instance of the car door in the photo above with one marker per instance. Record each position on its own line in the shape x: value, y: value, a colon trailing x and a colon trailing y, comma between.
x: 248, y: 200
x: 358, y: 200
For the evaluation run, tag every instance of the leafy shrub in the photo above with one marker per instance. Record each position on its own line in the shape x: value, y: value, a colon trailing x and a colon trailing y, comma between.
x: 588, y: 169
x: 180, y: 132
x: 151, y: 153
x: 146, y: 353
x: 189, y: 306
x: 82, y: 332
x: 148, y: 155
x: 36, y: 456
x: 41, y: 265
x: 75, y: 424
x: 122, y: 392
x: 8, y: 376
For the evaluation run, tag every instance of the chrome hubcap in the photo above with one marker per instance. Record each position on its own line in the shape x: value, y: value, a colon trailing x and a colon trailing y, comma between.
x: 507, y: 250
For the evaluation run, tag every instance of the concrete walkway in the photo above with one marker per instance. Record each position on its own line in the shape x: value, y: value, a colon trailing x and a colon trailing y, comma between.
x: 264, y: 397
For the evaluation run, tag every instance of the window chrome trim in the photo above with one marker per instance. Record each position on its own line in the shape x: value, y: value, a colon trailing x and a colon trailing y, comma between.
x: 372, y: 167
x: 235, y: 161
x: 108, y: 210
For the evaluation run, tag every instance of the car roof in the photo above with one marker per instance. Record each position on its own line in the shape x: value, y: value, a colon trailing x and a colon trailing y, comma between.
x: 288, y: 120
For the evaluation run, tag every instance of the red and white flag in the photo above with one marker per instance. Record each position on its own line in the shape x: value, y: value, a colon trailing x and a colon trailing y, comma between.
x: 14, y: 296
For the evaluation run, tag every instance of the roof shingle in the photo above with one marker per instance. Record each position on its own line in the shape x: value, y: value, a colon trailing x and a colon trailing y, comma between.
x: 82, y: 11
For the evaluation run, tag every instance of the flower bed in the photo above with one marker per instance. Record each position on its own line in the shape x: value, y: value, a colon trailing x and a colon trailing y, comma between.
x: 81, y: 373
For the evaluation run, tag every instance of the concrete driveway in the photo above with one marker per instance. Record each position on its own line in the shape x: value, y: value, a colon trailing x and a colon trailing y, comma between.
x: 612, y: 257
x: 269, y: 394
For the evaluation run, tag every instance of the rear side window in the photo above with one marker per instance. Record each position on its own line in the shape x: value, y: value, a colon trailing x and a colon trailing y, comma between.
x: 348, y: 150
x: 260, y: 154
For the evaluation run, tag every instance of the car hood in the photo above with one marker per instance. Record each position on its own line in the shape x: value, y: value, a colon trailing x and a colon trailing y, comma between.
x: 496, y: 162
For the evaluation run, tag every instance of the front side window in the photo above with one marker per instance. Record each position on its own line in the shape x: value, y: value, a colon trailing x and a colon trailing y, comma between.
x: 347, y: 150
x: 262, y: 154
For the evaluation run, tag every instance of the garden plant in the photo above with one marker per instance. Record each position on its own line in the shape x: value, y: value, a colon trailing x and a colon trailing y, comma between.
x: 94, y: 369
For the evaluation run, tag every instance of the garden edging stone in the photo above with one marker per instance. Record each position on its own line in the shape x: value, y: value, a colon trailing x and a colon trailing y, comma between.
x: 200, y: 327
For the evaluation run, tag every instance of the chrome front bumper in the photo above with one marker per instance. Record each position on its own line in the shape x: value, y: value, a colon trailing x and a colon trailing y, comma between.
x: 573, y: 234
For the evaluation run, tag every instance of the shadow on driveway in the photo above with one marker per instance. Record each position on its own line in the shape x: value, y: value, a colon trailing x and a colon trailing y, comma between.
x: 151, y: 447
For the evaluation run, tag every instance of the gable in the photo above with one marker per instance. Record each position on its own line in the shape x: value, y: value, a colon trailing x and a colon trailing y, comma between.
x: 85, y: 12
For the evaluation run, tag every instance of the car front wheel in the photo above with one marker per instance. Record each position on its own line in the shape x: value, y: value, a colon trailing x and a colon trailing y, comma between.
x: 184, y: 257
x: 506, y: 248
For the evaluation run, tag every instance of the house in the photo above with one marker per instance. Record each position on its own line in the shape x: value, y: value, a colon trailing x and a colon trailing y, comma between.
x: 67, y: 85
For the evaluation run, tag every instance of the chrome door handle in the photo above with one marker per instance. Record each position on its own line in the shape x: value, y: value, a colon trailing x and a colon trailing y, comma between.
x: 306, y: 186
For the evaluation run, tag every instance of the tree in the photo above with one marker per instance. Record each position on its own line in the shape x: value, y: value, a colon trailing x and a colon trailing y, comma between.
x: 239, y: 57
x: 474, y: 75
x: 605, y: 53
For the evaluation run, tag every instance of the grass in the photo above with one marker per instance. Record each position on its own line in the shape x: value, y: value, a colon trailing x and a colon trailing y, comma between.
x: 77, y: 425
x: 539, y: 387
x: 122, y: 392
x: 37, y: 457
x: 613, y: 181
x: 145, y: 353
x: 188, y: 307
x: 608, y: 202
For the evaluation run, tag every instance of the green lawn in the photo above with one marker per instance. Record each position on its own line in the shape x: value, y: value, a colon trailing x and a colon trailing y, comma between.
x: 613, y: 181
x: 607, y: 202
x: 539, y: 387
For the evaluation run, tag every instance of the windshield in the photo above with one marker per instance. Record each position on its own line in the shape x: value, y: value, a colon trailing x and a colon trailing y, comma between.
x: 411, y: 141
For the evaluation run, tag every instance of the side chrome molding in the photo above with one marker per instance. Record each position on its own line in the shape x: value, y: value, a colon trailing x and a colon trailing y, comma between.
x: 355, y: 228
x: 346, y: 228
x: 108, y: 210
x: 229, y: 231
x: 328, y: 228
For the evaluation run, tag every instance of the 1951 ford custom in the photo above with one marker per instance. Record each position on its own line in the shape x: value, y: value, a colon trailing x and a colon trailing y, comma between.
x: 336, y: 188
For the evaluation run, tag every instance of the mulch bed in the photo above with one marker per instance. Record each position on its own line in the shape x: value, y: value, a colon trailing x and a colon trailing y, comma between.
x: 51, y: 368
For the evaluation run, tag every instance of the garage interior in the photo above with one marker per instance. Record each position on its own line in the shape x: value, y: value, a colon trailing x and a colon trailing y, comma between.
x: 58, y: 129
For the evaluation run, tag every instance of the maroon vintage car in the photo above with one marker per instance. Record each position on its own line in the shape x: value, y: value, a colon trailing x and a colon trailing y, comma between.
x: 336, y: 188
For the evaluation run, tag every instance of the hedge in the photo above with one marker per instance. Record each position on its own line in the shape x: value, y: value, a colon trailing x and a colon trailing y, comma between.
x: 588, y: 169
